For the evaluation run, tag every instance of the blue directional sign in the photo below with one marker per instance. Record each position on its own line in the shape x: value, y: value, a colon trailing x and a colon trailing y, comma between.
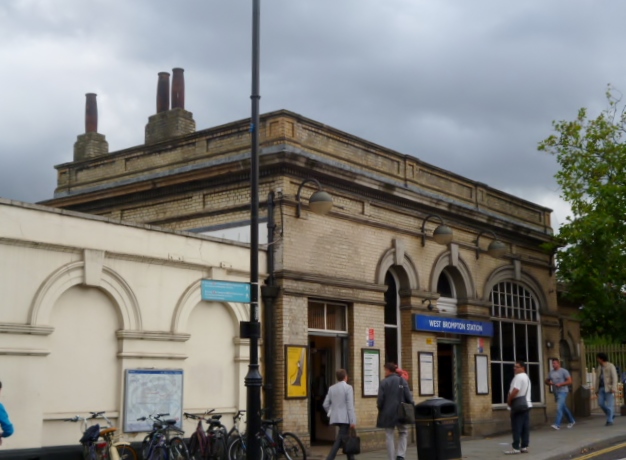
x: 452, y: 325
x: 227, y: 291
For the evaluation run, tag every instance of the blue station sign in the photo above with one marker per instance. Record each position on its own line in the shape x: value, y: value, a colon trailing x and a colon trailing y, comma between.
x: 226, y: 291
x: 452, y: 325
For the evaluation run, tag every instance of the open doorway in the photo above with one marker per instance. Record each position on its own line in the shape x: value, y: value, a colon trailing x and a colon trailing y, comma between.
x: 328, y: 354
x: 449, y: 374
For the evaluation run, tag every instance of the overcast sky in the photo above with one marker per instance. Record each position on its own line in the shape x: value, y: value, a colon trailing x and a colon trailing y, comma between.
x: 469, y: 86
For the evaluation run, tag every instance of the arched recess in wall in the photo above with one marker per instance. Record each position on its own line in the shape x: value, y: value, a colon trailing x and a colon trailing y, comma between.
x: 191, y: 298
x: 458, y: 275
x: 403, y: 266
x: 217, y: 357
x: 82, y: 369
x: 397, y: 271
x: 73, y: 274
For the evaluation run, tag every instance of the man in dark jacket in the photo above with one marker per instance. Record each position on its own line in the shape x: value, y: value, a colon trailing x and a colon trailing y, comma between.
x: 392, y: 391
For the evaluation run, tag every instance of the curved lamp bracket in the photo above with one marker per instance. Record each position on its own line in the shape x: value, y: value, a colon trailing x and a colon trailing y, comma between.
x: 320, y: 202
x: 496, y: 248
x: 442, y: 234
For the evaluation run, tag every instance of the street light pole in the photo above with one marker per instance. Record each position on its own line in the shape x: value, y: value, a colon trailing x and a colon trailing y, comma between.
x: 253, y: 379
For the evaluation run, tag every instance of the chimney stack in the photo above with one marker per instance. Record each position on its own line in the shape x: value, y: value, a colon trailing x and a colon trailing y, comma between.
x: 170, y: 123
x: 91, y: 144
x: 178, y: 88
x: 163, y: 92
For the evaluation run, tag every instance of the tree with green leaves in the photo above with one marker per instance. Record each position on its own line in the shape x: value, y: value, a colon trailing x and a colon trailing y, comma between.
x: 591, y: 245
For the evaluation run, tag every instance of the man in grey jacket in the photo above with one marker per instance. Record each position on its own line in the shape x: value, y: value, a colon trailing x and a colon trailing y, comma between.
x: 606, y: 386
x: 392, y: 391
x: 339, y: 405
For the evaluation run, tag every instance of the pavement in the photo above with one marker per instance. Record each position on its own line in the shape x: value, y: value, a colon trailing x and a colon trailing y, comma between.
x: 588, y: 435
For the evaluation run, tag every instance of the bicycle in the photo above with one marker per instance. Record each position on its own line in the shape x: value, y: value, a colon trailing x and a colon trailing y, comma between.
x: 234, y: 431
x: 209, y: 444
x: 275, y: 444
x: 107, y: 449
x: 158, y: 445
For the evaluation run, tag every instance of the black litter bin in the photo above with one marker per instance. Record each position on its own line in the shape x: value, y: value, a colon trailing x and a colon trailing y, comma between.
x: 438, y: 430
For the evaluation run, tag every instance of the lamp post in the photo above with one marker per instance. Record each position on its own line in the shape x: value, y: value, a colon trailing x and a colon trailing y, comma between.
x: 253, y: 379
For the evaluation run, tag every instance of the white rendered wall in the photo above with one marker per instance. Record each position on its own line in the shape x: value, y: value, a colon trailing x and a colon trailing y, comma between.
x: 84, y: 298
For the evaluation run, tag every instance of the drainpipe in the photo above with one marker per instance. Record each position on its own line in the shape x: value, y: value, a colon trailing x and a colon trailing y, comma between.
x: 269, y: 294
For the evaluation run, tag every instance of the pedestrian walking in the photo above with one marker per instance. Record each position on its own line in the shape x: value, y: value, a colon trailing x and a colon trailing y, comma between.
x: 519, y: 403
x: 339, y: 405
x: 560, y: 379
x: 606, y: 386
x: 392, y: 391
x: 5, y: 423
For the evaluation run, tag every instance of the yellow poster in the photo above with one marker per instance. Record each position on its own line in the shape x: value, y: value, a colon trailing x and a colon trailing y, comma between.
x: 296, y: 371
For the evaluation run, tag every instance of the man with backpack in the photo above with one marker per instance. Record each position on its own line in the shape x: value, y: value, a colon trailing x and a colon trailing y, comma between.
x: 392, y: 391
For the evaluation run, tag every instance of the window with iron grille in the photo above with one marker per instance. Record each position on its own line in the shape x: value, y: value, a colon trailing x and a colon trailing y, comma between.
x: 515, y: 317
x: 328, y: 316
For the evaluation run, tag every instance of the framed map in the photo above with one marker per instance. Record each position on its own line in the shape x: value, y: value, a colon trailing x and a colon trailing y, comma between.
x: 151, y: 391
x: 296, y: 371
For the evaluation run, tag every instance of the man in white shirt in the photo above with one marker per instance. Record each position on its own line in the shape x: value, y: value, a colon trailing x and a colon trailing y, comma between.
x: 520, y: 418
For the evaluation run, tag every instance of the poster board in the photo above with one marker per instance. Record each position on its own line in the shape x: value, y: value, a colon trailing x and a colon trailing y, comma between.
x: 151, y: 391
x: 296, y: 371
x: 426, y: 373
x: 371, y: 372
x: 482, y: 374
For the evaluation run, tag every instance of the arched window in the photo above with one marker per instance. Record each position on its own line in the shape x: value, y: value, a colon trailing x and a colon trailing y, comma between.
x: 392, y: 320
x: 515, y: 317
x: 447, y: 303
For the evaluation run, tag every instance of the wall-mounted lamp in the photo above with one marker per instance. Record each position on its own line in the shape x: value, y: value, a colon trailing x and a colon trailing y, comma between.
x: 442, y: 234
x: 496, y: 248
x: 320, y: 202
x: 549, y: 344
x: 430, y: 304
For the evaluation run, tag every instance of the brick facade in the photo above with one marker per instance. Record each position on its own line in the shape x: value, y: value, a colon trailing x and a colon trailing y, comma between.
x: 200, y: 180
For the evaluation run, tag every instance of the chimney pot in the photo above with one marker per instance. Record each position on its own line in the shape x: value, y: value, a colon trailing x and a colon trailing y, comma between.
x: 163, y: 92
x: 178, y: 88
x: 91, y: 113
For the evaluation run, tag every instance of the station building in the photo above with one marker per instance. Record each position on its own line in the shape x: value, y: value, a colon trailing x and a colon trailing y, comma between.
x: 414, y: 264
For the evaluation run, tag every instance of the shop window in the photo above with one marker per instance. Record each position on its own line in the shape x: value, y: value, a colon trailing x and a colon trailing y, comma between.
x: 515, y: 319
x: 328, y: 316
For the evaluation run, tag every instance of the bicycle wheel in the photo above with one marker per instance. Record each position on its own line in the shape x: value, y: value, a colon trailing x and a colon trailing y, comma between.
x: 292, y: 447
x: 217, y: 447
x: 159, y: 453
x: 145, y: 446
x: 237, y: 450
x: 89, y: 452
x: 195, y: 449
x: 178, y: 449
x: 126, y: 452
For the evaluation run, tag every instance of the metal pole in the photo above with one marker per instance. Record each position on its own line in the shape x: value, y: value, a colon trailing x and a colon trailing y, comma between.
x: 253, y: 379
